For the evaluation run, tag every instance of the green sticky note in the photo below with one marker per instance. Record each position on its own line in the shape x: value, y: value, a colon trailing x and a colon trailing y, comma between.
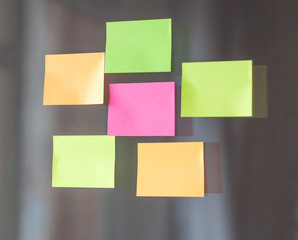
x: 217, y: 89
x: 83, y: 161
x: 139, y: 46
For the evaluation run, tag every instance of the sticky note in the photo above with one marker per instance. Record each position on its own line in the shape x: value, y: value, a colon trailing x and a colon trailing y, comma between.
x: 217, y: 89
x: 171, y: 169
x: 83, y: 161
x: 74, y: 79
x: 141, y: 109
x: 139, y: 46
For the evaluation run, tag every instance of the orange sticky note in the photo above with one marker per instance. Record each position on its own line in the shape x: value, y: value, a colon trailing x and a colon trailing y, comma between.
x: 172, y: 169
x: 74, y: 79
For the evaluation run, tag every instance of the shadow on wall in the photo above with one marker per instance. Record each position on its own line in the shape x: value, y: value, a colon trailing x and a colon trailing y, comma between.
x: 184, y: 125
x: 126, y: 161
x: 260, y: 96
x: 212, y: 157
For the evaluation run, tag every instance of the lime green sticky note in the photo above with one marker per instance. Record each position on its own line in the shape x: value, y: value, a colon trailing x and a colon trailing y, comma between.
x: 83, y: 161
x: 217, y: 89
x: 139, y: 46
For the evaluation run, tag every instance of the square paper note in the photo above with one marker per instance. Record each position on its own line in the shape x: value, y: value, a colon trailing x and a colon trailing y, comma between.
x: 142, y: 109
x: 139, y: 46
x: 73, y: 79
x: 171, y: 169
x: 83, y: 161
x: 217, y: 89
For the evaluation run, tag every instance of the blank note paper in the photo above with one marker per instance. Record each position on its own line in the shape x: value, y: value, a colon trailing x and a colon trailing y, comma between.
x: 217, y: 89
x: 74, y: 79
x: 142, y: 109
x: 139, y: 46
x: 83, y: 161
x: 173, y: 169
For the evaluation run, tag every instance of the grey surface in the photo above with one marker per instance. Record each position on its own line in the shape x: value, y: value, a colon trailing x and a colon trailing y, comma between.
x: 259, y: 168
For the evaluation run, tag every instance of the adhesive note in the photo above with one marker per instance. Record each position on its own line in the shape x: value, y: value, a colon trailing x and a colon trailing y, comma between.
x: 141, y: 109
x: 173, y: 169
x: 83, y: 161
x: 217, y: 89
x: 139, y: 46
x: 74, y: 79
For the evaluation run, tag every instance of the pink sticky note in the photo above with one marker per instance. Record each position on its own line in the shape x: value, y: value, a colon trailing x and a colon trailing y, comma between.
x: 142, y: 109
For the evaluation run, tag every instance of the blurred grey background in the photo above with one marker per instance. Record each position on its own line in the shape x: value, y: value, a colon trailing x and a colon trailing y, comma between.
x: 259, y: 157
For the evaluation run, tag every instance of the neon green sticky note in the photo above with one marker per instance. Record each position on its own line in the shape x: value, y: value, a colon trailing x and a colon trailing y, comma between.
x: 217, y: 89
x: 139, y: 46
x: 83, y: 161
